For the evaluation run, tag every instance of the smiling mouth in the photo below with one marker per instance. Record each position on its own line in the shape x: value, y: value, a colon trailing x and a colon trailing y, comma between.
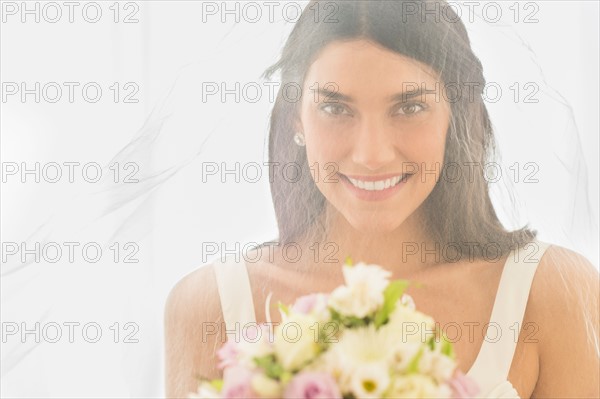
x: 377, y: 185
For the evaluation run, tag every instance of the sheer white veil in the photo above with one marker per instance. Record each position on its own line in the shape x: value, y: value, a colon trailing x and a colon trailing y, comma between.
x: 180, y: 214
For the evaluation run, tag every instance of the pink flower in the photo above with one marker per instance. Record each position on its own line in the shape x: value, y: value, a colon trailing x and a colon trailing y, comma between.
x: 237, y: 383
x: 228, y: 355
x: 463, y: 386
x: 312, y: 385
x: 305, y: 304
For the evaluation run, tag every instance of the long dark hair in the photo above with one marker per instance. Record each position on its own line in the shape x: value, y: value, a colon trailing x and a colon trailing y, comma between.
x: 456, y: 212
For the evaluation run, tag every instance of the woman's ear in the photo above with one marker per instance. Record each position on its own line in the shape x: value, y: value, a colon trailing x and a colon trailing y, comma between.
x: 297, y: 116
x: 297, y: 123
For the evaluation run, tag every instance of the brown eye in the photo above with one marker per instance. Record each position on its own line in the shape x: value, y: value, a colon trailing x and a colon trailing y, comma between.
x: 333, y: 109
x: 411, y: 109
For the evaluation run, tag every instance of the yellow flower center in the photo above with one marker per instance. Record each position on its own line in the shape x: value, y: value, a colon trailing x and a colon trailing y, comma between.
x: 369, y: 385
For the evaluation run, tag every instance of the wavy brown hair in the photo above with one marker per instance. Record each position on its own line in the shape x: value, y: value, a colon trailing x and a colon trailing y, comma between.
x: 456, y: 212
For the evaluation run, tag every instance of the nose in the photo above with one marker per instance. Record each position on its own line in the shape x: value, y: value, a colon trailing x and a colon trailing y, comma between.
x: 373, y: 145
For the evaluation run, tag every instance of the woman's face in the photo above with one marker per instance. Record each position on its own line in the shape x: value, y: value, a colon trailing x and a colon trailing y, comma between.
x: 363, y: 135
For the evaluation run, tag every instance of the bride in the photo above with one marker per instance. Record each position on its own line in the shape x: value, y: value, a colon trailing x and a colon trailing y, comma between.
x: 390, y: 137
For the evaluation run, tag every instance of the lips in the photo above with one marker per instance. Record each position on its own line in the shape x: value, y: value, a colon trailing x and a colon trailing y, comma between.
x: 376, y: 183
x: 374, y: 178
x: 372, y: 189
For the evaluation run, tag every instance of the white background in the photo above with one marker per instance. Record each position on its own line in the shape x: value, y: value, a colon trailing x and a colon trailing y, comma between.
x: 168, y: 54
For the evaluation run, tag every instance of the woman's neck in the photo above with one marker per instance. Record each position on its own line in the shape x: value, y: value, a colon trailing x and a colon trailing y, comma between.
x: 405, y: 248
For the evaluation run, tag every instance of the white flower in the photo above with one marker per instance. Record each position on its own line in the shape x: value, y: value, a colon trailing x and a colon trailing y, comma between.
x: 255, y: 342
x: 444, y: 391
x: 328, y: 362
x: 356, y: 348
x: 366, y: 344
x: 408, y: 301
x: 411, y: 325
x: 438, y: 365
x: 314, y: 304
x: 296, y: 340
x: 205, y: 391
x: 363, y: 292
x: 370, y: 380
x: 266, y: 387
x: 416, y: 386
x: 403, y: 354
x: 321, y: 310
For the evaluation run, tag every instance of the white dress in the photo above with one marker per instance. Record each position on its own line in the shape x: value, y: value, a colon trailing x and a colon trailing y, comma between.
x: 491, y: 367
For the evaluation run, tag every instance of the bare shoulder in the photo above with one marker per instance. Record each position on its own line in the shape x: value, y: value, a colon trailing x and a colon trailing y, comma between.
x: 192, y: 288
x: 565, y: 300
x: 565, y: 279
x: 192, y: 311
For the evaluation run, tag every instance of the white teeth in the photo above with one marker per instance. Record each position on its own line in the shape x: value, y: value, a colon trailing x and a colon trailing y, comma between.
x: 376, y: 185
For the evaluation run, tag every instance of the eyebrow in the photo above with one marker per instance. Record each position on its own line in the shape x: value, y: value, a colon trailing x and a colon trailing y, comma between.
x: 406, y: 95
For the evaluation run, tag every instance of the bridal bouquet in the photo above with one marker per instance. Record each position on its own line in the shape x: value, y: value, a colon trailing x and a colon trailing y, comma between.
x: 363, y: 340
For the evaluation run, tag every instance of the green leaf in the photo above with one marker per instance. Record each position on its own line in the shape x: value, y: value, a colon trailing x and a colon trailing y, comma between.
x: 391, y: 295
x: 335, y: 316
x: 217, y: 384
x: 270, y: 366
x: 348, y: 321
x: 447, y: 347
x: 413, y: 366
x: 431, y: 343
x: 352, y: 321
x: 284, y: 308
x: 285, y: 377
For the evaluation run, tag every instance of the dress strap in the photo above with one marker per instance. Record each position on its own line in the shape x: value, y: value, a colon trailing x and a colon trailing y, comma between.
x: 235, y: 293
x: 495, y: 358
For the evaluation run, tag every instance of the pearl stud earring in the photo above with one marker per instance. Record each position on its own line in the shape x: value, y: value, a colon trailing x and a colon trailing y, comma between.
x: 299, y: 139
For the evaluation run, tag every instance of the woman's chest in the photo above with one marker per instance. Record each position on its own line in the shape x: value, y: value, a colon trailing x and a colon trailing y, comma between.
x: 461, y: 303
